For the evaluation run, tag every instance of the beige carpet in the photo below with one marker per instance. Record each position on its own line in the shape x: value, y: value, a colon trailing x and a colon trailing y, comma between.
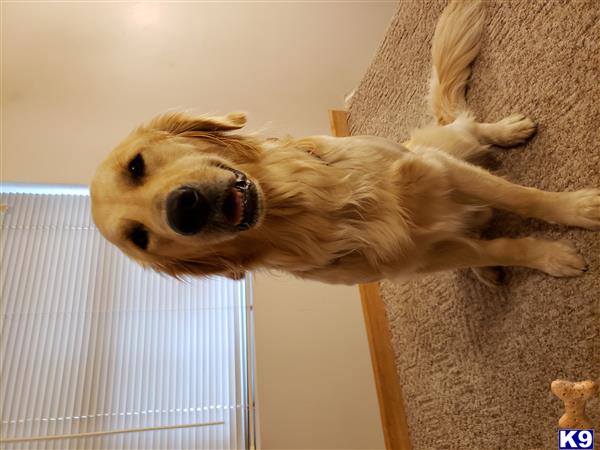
x: 475, y: 363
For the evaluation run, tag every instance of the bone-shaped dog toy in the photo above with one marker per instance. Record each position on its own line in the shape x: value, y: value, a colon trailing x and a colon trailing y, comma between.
x: 574, y: 395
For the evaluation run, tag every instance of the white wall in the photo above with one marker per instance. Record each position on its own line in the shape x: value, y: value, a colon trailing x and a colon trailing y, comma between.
x: 77, y: 76
x: 315, y: 382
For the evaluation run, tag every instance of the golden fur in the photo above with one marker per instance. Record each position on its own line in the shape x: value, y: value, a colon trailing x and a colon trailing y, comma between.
x: 345, y: 210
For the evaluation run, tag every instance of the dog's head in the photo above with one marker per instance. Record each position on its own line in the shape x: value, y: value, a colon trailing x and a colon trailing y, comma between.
x: 178, y: 195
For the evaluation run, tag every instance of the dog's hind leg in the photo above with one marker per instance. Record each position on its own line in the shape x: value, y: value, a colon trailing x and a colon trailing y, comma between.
x: 469, y: 140
x: 455, y: 45
x: 490, y: 276
x: 457, y: 139
x: 508, y: 132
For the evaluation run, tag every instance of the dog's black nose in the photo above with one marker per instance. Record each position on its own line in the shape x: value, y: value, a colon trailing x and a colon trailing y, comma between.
x: 187, y: 210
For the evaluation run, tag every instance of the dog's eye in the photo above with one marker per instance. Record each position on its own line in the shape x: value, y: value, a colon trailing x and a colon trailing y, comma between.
x: 139, y: 236
x: 136, y: 166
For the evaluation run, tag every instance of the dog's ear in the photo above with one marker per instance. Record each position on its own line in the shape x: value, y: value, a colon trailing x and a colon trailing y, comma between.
x: 235, y: 275
x: 178, y: 123
x: 236, y: 148
x: 178, y: 268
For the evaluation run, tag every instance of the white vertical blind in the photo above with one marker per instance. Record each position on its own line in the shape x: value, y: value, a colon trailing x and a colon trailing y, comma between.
x: 92, y: 342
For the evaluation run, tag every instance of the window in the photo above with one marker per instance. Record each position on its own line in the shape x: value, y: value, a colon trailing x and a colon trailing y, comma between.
x: 93, y: 343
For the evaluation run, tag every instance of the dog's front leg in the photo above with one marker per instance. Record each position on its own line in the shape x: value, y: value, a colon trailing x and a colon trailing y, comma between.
x: 557, y: 258
x: 579, y: 208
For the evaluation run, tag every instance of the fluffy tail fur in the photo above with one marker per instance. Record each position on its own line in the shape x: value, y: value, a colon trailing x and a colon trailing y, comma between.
x: 455, y: 45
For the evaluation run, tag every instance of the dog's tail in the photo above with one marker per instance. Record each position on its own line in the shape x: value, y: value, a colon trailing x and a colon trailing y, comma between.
x: 455, y: 45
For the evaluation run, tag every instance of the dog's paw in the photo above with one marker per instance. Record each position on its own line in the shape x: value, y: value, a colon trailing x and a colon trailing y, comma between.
x: 584, y: 206
x: 561, y: 259
x: 514, y: 130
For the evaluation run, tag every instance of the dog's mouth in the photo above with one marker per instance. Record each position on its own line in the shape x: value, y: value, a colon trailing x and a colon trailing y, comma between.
x: 240, y: 205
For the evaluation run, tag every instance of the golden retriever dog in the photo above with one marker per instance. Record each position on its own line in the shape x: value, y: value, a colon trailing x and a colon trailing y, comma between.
x: 187, y: 195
